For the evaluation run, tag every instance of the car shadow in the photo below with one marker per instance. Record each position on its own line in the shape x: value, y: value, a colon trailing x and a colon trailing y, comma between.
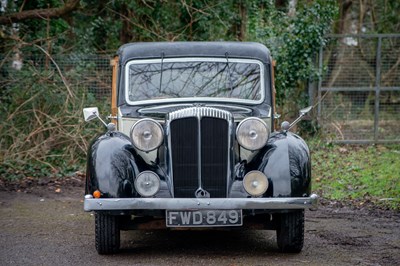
x: 199, y: 242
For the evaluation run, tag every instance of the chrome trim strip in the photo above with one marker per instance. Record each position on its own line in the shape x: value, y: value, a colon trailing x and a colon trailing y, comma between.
x: 168, y: 159
x: 199, y: 111
x: 145, y: 110
x: 194, y: 99
x: 230, y: 153
x: 195, y: 59
x: 199, y: 179
x: 119, y: 121
x: 92, y: 204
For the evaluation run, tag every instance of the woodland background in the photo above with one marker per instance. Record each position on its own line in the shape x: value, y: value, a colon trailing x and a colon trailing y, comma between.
x: 41, y: 129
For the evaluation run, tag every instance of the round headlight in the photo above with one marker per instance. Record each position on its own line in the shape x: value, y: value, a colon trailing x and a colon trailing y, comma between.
x: 147, y: 134
x: 252, y: 133
x: 147, y: 184
x: 255, y: 183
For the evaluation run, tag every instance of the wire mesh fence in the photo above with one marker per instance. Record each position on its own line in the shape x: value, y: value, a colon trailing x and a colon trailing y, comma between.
x: 89, y: 72
x: 359, y: 92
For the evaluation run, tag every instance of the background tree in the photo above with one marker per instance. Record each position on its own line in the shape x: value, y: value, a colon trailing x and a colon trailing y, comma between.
x: 294, y: 30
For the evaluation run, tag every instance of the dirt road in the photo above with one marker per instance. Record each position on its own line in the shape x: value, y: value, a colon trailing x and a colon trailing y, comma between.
x: 47, y: 228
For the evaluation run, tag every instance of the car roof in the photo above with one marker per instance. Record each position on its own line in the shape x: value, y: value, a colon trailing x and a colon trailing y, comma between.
x: 148, y: 50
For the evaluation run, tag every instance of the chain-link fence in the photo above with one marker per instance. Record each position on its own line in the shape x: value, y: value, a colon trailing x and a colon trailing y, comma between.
x: 359, y: 92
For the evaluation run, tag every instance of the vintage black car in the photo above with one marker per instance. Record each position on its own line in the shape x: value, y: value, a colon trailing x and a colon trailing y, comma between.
x: 192, y: 144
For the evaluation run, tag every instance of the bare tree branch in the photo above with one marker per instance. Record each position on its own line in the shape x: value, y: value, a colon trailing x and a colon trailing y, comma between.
x: 69, y: 6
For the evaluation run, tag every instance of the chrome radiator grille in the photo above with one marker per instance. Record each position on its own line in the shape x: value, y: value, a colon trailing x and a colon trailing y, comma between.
x: 199, y: 148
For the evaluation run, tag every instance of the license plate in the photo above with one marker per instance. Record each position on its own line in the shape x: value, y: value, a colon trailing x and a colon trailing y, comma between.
x: 203, y: 218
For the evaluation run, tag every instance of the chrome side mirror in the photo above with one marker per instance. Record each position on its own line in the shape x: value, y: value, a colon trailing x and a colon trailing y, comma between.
x: 304, y: 111
x: 91, y: 113
x: 286, y: 126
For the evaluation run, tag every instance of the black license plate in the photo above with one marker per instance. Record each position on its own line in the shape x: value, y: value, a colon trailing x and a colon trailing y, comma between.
x: 203, y: 218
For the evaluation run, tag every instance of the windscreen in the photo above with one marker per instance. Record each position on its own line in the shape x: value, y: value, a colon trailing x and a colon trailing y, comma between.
x: 166, y: 79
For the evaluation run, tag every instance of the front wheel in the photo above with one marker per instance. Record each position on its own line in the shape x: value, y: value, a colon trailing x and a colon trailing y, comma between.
x: 107, y: 233
x: 290, y: 231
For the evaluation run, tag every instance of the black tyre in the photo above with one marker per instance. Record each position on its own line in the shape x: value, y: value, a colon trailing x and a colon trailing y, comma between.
x: 107, y: 233
x: 290, y: 231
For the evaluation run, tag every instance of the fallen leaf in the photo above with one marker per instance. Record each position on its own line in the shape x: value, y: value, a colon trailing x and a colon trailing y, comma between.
x: 58, y: 190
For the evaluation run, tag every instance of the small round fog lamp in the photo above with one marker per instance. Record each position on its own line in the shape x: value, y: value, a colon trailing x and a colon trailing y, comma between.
x: 255, y: 183
x: 147, y: 184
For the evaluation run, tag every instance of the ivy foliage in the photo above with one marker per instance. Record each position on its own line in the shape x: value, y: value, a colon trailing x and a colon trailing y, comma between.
x: 294, y: 42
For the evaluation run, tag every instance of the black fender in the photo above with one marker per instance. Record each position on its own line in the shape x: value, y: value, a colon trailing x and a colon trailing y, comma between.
x: 286, y: 161
x: 112, y: 166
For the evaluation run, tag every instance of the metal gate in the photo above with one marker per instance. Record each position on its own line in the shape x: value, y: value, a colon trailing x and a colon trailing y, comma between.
x: 359, y: 92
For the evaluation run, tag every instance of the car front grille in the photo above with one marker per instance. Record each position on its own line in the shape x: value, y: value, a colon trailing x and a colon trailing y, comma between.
x: 199, y: 146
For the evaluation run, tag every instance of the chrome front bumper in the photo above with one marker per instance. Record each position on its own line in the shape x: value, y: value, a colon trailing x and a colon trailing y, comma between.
x: 92, y: 204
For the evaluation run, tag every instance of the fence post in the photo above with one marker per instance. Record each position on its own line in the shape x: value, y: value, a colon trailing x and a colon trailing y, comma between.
x: 319, y: 83
x: 377, y: 88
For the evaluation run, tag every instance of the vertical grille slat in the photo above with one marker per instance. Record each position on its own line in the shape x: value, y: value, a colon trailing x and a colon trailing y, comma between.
x: 209, y: 128
x: 214, y: 156
x: 185, y: 156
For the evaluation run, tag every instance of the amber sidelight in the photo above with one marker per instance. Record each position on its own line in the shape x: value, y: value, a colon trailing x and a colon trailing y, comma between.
x: 96, y: 194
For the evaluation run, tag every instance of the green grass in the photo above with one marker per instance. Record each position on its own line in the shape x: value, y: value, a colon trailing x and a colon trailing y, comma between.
x: 369, y: 173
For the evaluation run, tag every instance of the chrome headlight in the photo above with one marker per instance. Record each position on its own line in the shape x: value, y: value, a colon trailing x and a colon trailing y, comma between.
x: 147, y: 134
x: 252, y: 133
x: 147, y: 184
x: 255, y: 183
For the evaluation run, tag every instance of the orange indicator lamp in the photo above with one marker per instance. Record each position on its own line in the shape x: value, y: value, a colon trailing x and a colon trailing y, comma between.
x: 96, y: 194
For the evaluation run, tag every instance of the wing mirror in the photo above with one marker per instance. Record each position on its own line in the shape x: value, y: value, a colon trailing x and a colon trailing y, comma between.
x: 287, y: 126
x: 91, y: 113
x: 304, y: 111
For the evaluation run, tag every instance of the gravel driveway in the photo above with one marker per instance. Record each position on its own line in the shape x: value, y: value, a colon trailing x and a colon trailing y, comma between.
x: 43, y: 227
